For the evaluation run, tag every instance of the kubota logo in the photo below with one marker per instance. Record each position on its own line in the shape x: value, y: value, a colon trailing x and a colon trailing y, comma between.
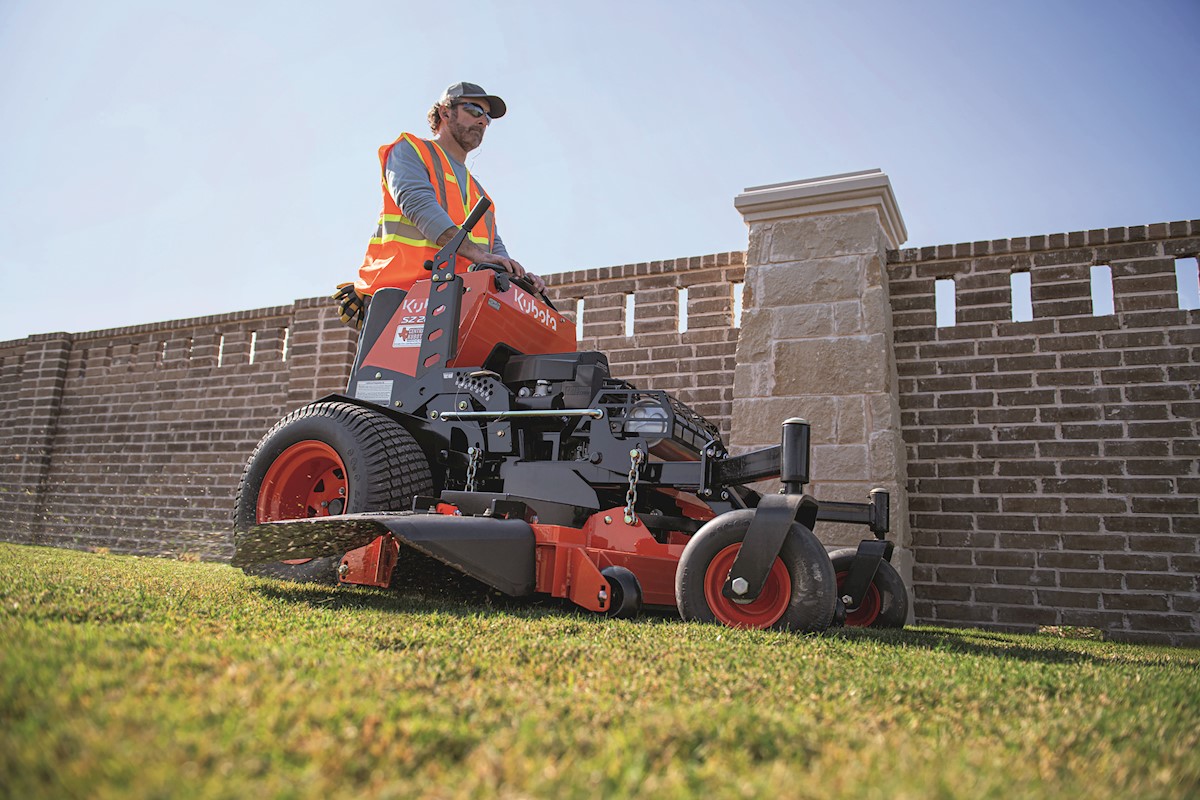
x: 415, y: 305
x: 527, y: 304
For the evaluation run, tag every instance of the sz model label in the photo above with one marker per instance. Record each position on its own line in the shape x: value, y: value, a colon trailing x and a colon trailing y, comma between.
x: 526, y: 303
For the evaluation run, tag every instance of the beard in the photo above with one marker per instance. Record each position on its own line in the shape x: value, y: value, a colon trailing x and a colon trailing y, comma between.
x: 468, y: 136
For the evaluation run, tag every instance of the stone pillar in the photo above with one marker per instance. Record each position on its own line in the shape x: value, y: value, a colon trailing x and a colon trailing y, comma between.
x: 816, y: 338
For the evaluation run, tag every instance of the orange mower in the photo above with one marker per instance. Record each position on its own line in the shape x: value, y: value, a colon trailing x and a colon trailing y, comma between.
x: 473, y: 433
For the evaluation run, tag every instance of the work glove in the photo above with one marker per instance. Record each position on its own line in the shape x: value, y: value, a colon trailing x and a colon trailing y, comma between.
x: 351, y: 305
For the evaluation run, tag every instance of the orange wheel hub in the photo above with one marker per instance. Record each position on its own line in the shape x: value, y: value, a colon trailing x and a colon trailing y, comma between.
x: 762, y: 612
x: 868, y: 610
x: 308, y: 479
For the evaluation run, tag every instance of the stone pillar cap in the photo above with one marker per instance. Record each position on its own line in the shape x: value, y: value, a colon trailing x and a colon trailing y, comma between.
x: 832, y: 194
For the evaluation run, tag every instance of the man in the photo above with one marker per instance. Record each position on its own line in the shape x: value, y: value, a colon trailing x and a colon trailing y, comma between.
x: 427, y: 193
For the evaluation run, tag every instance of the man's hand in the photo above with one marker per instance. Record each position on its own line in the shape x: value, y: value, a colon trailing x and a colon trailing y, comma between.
x: 477, y: 255
x: 352, y: 307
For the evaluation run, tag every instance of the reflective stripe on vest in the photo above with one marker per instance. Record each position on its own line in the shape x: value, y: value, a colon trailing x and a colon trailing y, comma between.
x: 398, y: 228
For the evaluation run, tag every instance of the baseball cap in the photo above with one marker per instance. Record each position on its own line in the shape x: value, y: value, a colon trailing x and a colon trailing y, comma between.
x: 469, y: 90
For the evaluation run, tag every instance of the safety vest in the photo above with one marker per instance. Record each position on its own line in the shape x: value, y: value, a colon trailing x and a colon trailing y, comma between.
x: 398, y: 251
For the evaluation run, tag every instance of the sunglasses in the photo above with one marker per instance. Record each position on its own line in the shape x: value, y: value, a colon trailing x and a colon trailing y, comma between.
x: 474, y: 110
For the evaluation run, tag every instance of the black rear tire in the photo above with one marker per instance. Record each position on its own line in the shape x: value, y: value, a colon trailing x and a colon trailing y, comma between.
x: 799, y: 594
x: 328, y: 458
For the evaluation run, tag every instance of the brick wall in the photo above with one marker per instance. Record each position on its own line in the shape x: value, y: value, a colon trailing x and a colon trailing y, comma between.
x: 134, y: 439
x: 1053, y: 473
x: 1052, y: 464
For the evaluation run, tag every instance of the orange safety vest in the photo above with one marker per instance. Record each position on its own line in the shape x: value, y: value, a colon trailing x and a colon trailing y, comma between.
x: 398, y: 251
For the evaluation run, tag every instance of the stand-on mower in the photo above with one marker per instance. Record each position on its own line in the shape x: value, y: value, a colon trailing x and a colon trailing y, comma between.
x: 473, y: 433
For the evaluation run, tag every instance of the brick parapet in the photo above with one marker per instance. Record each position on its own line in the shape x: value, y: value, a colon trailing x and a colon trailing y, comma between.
x: 151, y: 424
x: 1181, y: 229
x: 1053, y: 466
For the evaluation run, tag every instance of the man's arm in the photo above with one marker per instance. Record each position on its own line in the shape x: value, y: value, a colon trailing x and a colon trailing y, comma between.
x: 408, y: 182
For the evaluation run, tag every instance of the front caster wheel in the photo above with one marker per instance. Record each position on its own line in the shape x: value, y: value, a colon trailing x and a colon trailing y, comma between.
x: 798, y: 595
x: 885, y: 604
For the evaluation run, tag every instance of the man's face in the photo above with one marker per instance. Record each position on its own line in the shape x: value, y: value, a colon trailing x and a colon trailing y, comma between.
x: 465, y: 127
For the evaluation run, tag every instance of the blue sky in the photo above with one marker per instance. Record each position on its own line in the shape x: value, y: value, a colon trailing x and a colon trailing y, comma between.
x: 167, y: 160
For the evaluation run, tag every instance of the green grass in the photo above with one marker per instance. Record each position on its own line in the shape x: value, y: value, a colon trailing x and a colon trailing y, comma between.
x: 125, y: 677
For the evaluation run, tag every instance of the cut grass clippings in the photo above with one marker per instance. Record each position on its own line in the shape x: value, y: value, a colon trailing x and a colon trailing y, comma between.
x: 126, y: 677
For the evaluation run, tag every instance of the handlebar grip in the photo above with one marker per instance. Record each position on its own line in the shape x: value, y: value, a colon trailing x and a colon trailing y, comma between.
x: 477, y: 213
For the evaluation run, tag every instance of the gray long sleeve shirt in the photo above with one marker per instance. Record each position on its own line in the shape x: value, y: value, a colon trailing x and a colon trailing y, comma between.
x: 408, y: 181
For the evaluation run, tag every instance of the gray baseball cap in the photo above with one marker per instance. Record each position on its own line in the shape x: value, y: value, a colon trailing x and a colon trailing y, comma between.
x: 470, y: 90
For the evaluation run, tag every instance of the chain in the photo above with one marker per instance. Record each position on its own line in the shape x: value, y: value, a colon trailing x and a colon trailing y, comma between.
x: 635, y: 470
x: 474, y: 453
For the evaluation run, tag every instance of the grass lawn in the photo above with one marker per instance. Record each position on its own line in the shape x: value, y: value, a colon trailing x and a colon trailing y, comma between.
x: 126, y: 677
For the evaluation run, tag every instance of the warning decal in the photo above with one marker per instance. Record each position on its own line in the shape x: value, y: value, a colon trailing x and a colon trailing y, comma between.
x: 373, y: 391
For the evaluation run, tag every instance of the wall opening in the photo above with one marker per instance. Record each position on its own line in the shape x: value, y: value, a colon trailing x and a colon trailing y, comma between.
x: 253, y: 344
x: 629, y: 314
x: 1187, y: 283
x: 944, y: 302
x: 283, y: 346
x: 737, y: 289
x: 579, y: 319
x: 220, y: 349
x: 1102, y: 291
x: 683, y: 317
x: 1020, y: 285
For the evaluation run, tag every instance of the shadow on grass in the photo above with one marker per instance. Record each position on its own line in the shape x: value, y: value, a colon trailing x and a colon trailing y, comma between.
x: 417, y: 585
x: 464, y: 597
x: 427, y: 586
x: 997, y: 645
x: 421, y: 600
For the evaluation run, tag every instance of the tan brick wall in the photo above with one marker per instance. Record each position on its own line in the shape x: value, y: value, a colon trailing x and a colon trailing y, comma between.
x: 1052, y: 465
x: 134, y: 439
x: 1053, y: 472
